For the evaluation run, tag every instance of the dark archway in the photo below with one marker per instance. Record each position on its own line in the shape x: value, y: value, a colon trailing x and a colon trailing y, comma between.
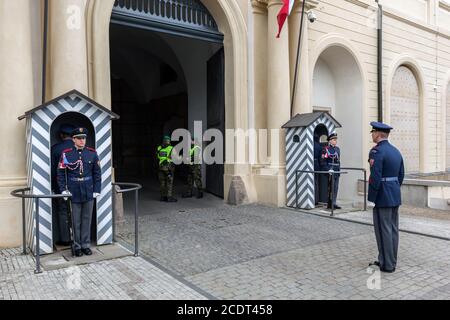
x: 167, y: 72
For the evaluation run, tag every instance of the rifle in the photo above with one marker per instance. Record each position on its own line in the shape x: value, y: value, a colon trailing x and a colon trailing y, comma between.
x: 70, y: 223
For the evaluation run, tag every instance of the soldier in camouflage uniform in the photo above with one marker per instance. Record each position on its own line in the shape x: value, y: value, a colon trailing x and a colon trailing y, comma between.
x: 195, y: 171
x: 166, y: 170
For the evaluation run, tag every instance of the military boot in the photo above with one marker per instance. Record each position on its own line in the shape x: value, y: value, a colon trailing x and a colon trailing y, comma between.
x: 171, y: 199
x: 199, y: 194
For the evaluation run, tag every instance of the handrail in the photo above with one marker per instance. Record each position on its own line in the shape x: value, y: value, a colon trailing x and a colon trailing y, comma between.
x: 365, y: 183
x: 331, y: 173
x: 132, y: 187
x: 20, y: 193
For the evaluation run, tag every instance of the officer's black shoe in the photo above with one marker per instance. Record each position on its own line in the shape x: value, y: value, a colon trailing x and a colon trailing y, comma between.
x: 87, y: 251
x: 337, y: 207
x: 78, y: 253
x: 163, y: 199
x: 375, y: 263
x: 387, y: 271
x: 171, y: 199
x: 200, y: 195
x: 187, y: 195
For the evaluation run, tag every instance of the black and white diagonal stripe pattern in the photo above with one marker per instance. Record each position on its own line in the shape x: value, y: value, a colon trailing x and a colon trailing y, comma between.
x: 300, y: 156
x: 39, y: 179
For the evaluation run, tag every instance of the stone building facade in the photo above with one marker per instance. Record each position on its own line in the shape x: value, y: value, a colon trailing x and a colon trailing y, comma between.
x: 337, y: 73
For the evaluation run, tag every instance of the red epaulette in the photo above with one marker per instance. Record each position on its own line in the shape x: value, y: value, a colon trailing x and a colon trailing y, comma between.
x: 91, y: 149
x: 67, y: 150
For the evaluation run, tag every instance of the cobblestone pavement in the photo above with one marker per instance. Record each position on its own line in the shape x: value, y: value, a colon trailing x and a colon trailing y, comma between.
x: 248, y: 252
x: 256, y: 252
x: 435, y: 224
x: 121, y: 279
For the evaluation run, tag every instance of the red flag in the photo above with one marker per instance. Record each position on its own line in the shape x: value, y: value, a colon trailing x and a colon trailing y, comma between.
x: 285, y: 11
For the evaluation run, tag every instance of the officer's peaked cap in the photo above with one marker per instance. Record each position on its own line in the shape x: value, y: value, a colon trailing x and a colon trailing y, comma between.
x: 379, y: 126
x: 79, y: 132
x: 167, y: 138
x: 332, y: 136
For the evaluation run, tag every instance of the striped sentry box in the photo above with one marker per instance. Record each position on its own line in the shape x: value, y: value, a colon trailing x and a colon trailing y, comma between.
x: 300, y: 156
x: 39, y: 124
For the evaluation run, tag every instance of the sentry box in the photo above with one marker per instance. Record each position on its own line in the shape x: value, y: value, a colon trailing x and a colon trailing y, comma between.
x: 301, y: 133
x: 42, y: 129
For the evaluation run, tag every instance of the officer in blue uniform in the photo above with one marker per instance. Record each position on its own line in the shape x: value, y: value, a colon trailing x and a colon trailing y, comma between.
x: 79, y: 174
x: 59, y: 205
x: 331, y: 160
x: 386, y: 177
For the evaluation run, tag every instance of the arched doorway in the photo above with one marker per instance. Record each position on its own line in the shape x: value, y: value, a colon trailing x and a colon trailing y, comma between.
x: 231, y: 23
x: 77, y: 120
x: 405, y: 116
x: 162, y: 61
x: 338, y: 89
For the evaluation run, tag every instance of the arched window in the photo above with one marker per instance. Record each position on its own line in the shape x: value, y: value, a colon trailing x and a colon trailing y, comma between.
x: 405, y: 111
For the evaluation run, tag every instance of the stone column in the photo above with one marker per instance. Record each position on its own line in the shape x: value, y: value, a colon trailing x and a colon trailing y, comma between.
x: 68, y: 66
x: 16, y: 97
x: 302, y: 102
x: 278, y: 85
x: 260, y: 76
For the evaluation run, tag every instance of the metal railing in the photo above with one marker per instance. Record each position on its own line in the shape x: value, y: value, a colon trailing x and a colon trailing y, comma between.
x: 365, y: 182
x: 21, y: 193
x: 130, y: 187
x: 330, y: 173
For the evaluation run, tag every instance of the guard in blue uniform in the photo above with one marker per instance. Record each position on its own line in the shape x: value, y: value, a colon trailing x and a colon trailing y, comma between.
x: 59, y: 205
x: 79, y: 174
x: 331, y: 160
x: 386, y: 177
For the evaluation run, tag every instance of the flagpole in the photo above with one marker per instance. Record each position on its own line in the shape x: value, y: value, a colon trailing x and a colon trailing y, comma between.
x: 294, y: 89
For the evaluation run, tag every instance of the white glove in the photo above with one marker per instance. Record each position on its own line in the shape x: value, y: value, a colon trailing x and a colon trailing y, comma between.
x: 96, y: 195
x: 66, y: 193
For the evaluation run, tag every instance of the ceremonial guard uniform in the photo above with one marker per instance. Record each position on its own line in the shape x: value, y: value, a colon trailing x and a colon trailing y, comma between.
x: 59, y: 205
x: 166, y: 170
x: 331, y: 160
x: 386, y: 177
x: 80, y: 174
x: 195, y: 171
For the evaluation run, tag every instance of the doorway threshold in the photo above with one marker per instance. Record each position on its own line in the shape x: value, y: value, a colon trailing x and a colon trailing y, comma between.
x: 63, y: 259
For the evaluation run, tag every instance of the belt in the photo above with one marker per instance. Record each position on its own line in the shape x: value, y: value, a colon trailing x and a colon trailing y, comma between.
x: 390, y: 179
x: 81, y: 179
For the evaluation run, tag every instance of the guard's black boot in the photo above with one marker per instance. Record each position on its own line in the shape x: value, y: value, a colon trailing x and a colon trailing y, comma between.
x: 187, y: 195
x: 87, y: 251
x: 375, y: 263
x: 199, y: 194
x: 163, y: 199
x: 78, y: 253
x: 337, y: 207
x: 171, y: 199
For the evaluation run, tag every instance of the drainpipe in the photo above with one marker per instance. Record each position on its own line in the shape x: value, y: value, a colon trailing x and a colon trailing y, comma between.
x: 380, y: 61
x: 294, y: 89
x: 44, y: 52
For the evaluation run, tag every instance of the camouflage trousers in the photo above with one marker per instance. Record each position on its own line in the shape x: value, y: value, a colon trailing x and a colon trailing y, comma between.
x: 166, y: 182
x: 195, y: 176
